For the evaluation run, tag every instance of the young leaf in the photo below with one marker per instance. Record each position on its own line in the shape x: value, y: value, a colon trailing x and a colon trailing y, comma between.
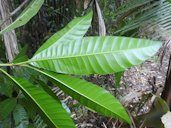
x: 89, y: 95
x: 118, y: 77
x: 21, y: 56
x: 76, y: 29
x: 96, y: 55
x: 25, y: 16
x: 51, y: 109
x: 6, y: 107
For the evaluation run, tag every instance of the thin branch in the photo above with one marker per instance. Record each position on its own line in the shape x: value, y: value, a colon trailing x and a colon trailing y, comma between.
x: 14, y: 64
x: 14, y: 12
x: 19, y: 7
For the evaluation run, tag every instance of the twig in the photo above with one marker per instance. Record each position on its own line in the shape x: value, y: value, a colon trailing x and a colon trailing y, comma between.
x: 108, y: 121
x: 120, y: 125
x: 132, y: 120
x: 14, y: 12
x: 142, y: 125
x: 19, y: 8
x: 104, y: 125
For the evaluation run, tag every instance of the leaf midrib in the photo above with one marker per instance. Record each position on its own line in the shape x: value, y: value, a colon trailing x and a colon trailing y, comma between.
x: 25, y: 90
x: 24, y: 14
x: 84, y: 55
x: 81, y: 94
x: 63, y: 35
x: 35, y: 102
x: 75, y: 90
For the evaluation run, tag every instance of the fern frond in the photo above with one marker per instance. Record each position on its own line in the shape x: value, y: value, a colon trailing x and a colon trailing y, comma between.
x: 20, y: 117
x: 156, y: 16
x: 39, y: 123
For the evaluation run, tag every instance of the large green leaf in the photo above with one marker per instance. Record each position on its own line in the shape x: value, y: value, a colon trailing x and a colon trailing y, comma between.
x: 76, y: 29
x: 52, y: 110
x: 6, y: 107
x: 96, y: 55
x: 25, y: 16
x: 89, y: 95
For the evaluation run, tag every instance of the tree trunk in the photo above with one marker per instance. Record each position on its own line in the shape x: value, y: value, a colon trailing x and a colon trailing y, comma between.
x: 166, y: 94
x: 10, y: 39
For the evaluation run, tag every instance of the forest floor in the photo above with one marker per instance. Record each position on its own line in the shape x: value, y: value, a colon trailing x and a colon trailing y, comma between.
x: 137, y: 85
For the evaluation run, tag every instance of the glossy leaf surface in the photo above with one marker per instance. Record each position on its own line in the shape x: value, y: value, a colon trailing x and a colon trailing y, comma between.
x: 89, y: 95
x: 76, y: 29
x: 50, y: 107
x: 25, y: 16
x: 96, y: 55
x: 52, y: 110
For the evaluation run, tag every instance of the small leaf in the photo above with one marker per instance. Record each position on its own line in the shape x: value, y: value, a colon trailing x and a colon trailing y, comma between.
x: 95, y: 55
x: 21, y: 57
x: 6, y: 107
x: 25, y: 16
x: 118, y: 77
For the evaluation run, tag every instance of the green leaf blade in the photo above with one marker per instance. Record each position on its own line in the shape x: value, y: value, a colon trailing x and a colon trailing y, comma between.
x: 90, y: 95
x: 96, y: 55
x: 6, y: 107
x: 76, y: 29
x: 50, y: 107
x: 21, y: 57
x: 25, y: 16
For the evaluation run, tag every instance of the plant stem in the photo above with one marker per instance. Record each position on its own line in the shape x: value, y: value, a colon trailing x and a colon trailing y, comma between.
x: 7, y: 64
x: 12, y: 64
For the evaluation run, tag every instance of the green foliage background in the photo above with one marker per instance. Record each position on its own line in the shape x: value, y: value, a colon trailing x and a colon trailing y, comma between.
x: 66, y: 50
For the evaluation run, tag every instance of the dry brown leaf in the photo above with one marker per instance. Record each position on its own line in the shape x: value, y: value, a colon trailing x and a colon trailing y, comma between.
x: 102, y: 27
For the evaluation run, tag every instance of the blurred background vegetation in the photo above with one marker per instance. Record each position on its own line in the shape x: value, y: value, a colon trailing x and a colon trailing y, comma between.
x: 149, y: 19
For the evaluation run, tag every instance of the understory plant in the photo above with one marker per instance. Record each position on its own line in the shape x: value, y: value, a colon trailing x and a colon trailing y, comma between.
x: 65, y: 54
